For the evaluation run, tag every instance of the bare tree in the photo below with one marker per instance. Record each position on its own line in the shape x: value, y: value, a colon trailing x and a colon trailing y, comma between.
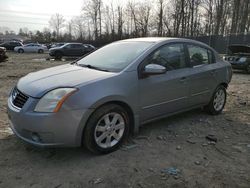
x: 160, y: 17
x: 208, y: 7
x: 57, y: 23
x: 92, y: 9
x: 78, y: 25
x: 70, y: 29
x: 245, y: 16
x: 120, y: 21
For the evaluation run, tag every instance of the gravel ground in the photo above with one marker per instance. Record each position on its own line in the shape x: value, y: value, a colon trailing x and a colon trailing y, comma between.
x: 172, y: 152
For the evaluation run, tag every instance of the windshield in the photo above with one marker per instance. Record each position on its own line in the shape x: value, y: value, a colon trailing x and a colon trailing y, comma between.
x: 115, y: 56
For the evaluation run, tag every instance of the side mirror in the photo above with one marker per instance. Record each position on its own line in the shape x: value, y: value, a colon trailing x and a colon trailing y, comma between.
x: 154, y: 69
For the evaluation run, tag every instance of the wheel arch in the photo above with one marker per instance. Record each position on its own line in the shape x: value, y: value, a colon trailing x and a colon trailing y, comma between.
x: 224, y: 84
x: 40, y: 50
x: 133, y: 125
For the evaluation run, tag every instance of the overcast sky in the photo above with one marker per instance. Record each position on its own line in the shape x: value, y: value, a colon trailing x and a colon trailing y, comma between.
x: 35, y: 14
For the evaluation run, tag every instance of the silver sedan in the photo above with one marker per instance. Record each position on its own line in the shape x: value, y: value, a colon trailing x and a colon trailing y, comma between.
x: 98, y: 100
x: 32, y: 47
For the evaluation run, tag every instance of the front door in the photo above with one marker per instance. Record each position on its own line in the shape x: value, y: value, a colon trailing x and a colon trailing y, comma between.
x: 69, y: 50
x: 168, y: 92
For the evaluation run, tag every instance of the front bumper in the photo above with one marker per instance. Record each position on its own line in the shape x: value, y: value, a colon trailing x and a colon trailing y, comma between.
x: 63, y: 128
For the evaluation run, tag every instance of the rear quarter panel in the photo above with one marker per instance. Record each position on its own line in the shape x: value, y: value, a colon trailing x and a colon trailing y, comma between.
x: 223, y: 72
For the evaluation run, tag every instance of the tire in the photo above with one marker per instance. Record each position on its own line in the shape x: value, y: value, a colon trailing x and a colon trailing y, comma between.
x: 58, y: 55
x: 20, y: 51
x: 40, y: 51
x: 218, y: 101
x: 103, y: 140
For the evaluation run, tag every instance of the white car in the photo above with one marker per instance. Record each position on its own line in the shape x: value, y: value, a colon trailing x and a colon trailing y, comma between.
x: 32, y: 47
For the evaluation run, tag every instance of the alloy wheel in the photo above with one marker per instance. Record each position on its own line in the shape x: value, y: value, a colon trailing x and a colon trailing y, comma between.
x: 219, y: 100
x: 109, y: 130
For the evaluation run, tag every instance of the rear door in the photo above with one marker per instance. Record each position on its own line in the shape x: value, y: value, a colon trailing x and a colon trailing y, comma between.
x: 73, y: 50
x: 164, y: 93
x: 35, y: 47
x: 79, y: 49
x: 202, y: 78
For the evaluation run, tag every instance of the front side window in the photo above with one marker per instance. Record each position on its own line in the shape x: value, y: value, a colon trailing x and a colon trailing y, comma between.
x: 171, y: 56
x: 68, y: 46
x: 199, y: 55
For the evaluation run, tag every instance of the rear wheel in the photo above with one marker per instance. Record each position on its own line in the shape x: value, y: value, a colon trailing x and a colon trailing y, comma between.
x: 218, y: 101
x: 20, y: 51
x: 106, y: 129
x: 40, y: 51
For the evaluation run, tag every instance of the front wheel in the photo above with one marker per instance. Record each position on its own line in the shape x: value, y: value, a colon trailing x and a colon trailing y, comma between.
x: 20, y: 51
x: 218, y: 101
x: 106, y: 129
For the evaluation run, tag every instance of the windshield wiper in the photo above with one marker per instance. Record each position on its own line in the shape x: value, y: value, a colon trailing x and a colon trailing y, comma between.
x: 92, y: 67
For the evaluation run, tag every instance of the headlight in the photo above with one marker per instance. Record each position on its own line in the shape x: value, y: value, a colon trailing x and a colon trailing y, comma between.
x: 242, y: 59
x: 53, y: 100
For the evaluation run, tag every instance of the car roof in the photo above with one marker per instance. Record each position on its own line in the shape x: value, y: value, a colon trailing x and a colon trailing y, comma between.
x: 149, y: 39
x: 157, y: 40
x: 162, y: 39
x: 73, y: 43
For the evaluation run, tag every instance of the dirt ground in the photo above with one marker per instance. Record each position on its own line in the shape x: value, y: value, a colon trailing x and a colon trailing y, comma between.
x: 172, y: 152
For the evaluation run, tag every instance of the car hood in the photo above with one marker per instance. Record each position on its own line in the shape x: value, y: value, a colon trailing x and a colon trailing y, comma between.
x: 239, y: 49
x: 38, y: 83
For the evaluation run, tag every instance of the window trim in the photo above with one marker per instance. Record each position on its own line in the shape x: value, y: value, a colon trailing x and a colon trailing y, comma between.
x: 142, y: 63
x: 213, y: 60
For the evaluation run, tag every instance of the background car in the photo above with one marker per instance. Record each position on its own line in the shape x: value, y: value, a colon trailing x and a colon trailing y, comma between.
x: 11, y: 45
x: 239, y: 57
x: 70, y: 49
x: 3, y: 55
x: 32, y: 47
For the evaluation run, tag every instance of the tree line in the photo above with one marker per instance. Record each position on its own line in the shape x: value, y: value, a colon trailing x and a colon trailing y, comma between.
x: 105, y: 22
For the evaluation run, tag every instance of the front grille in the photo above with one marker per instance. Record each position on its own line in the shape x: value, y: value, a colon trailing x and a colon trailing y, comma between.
x: 18, y: 98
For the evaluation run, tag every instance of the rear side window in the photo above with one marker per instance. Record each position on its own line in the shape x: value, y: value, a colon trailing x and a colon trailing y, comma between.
x: 171, y: 56
x: 199, y: 55
x: 76, y: 46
